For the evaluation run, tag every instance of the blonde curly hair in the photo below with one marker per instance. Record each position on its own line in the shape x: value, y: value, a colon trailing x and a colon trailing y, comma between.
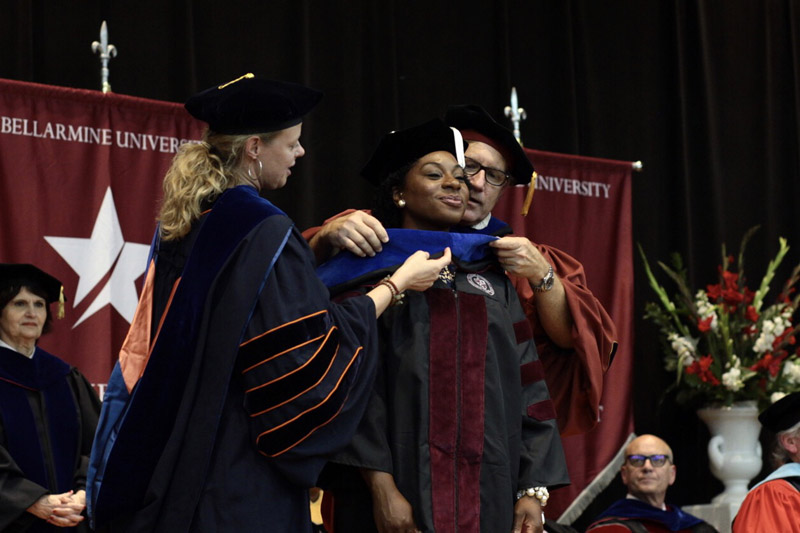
x: 198, y: 175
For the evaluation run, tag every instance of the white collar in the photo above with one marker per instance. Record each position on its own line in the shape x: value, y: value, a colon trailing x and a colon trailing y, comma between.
x: 6, y: 345
x: 483, y: 223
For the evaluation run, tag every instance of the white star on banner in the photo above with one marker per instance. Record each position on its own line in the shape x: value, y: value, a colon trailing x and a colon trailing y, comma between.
x: 92, y: 258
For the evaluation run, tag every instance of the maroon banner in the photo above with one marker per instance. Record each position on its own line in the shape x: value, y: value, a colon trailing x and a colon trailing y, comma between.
x: 80, y: 182
x: 582, y: 206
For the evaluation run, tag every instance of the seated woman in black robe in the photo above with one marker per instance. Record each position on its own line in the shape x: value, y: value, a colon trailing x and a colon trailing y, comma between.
x: 460, y: 434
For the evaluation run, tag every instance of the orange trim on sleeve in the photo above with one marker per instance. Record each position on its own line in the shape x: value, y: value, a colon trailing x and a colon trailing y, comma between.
x: 270, y: 358
x: 299, y: 368
x: 282, y: 326
x: 328, y: 421
x: 327, y: 371
x: 338, y: 384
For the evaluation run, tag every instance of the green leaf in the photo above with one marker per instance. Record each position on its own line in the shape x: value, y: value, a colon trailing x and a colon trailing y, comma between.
x: 767, y: 279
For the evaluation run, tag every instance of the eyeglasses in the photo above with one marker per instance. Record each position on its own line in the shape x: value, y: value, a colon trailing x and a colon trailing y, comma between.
x: 494, y: 176
x: 655, y: 460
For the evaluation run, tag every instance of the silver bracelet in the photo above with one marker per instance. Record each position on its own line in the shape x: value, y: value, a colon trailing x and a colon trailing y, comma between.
x: 540, y: 493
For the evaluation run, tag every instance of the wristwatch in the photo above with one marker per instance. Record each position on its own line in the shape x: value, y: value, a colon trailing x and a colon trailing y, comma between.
x: 547, y: 281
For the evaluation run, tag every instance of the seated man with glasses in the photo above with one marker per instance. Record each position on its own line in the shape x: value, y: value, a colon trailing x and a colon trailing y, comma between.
x: 647, y: 472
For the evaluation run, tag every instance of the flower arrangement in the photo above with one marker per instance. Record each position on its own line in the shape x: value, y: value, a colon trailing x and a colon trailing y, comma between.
x: 722, y: 342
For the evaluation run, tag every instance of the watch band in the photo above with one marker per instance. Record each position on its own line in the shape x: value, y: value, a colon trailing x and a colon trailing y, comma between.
x: 547, y: 281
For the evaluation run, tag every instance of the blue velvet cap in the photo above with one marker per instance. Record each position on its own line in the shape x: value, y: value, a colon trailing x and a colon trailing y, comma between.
x: 253, y: 105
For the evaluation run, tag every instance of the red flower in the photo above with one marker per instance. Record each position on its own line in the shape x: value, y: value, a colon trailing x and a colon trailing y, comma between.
x: 732, y: 297
x: 751, y: 314
x: 702, y: 369
x: 731, y: 280
x: 770, y: 363
x: 775, y: 365
x: 749, y: 295
x: 714, y: 292
x: 704, y: 324
x: 762, y: 363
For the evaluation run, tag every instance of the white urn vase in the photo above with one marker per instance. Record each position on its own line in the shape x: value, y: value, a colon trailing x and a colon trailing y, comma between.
x: 734, y: 451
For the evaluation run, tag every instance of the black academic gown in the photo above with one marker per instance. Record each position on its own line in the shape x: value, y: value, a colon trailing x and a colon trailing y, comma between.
x: 254, y: 376
x: 48, y: 414
x: 460, y: 415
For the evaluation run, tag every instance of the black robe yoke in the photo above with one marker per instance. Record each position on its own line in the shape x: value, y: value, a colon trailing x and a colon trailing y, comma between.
x: 278, y: 378
x: 461, y: 416
x: 48, y: 414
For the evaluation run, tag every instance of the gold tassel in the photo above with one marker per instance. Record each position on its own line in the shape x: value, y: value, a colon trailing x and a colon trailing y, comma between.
x: 529, y: 197
x: 248, y: 76
x: 61, y: 303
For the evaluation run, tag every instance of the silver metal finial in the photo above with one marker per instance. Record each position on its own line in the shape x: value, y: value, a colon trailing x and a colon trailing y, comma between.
x: 515, y: 113
x: 106, y: 51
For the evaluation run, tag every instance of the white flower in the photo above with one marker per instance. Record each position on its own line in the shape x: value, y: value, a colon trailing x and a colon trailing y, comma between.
x: 770, y: 330
x: 732, y: 379
x: 775, y: 396
x: 763, y: 343
x: 766, y: 338
x: 706, y: 309
x: 791, y: 370
x: 684, y: 347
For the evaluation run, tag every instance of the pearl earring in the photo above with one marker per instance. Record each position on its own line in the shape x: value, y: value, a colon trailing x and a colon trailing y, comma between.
x: 401, y: 203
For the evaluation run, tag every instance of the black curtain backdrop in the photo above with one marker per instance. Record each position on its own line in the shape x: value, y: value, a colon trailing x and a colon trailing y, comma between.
x: 704, y: 93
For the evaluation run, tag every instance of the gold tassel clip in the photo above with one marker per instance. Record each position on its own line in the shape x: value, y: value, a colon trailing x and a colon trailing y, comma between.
x: 246, y: 76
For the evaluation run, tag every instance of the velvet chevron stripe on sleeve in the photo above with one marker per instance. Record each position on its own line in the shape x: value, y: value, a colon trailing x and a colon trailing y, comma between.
x: 293, y: 378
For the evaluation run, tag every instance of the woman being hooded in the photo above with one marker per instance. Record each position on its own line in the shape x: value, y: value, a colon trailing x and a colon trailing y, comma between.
x: 460, y: 433
x: 238, y: 374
